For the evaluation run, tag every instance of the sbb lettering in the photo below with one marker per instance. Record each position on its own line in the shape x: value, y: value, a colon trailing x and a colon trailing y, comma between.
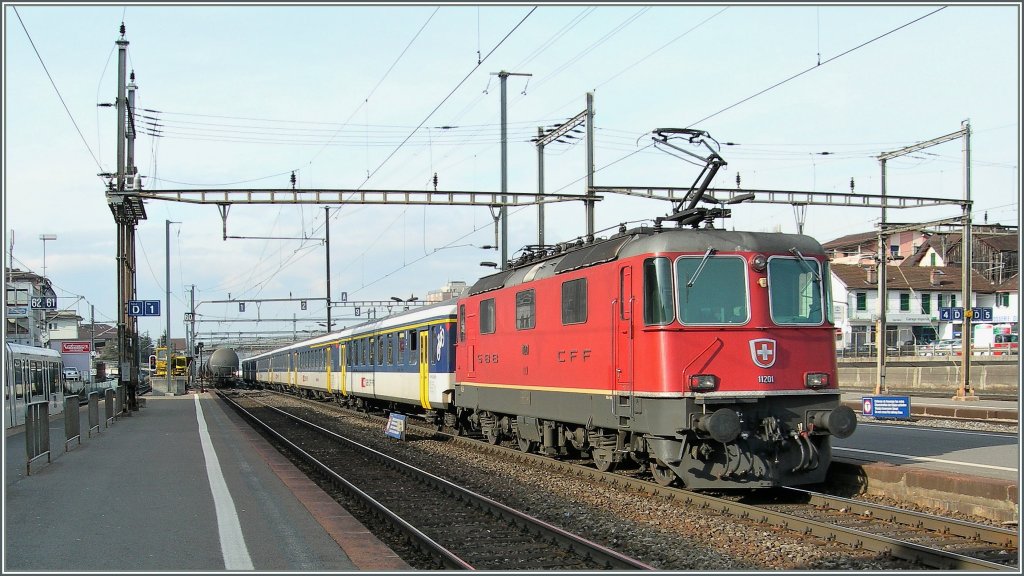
x: 487, y: 358
x: 573, y: 355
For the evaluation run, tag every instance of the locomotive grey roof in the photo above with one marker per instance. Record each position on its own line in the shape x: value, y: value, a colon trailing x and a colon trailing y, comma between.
x: 646, y: 241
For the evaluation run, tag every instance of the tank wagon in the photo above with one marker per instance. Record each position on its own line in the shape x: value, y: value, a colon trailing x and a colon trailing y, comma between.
x: 222, y: 367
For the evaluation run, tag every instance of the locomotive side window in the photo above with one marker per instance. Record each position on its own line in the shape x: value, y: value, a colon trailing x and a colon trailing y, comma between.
x: 795, y: 291
x: 526, y: 316
x: 574, y: 301
x: 487, y: 323
x: 657, y: 291
x: 712, y: 290
x: 462, y: 322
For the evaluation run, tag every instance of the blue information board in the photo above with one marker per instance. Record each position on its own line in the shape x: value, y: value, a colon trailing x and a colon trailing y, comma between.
x: 978, y: 314
x: 396, y: 426
x: 143, y: 307
x: 886, y: 407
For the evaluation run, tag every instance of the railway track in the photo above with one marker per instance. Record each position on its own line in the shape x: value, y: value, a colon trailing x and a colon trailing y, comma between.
x: 459, y: 528
x: 928, y: 540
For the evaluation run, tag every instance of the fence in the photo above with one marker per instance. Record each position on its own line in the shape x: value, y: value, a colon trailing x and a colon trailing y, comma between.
x: 94, y: 412
x: 72, y: 421
x: 108, y: 404
x: 37, y: 432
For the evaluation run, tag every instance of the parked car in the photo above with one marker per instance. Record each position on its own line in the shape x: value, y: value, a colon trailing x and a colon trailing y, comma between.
x: 71, y: 373
x: 944, y: 348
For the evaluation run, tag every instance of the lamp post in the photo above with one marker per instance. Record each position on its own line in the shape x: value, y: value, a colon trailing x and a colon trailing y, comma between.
x: 45, y: 238
x: 167, y: 304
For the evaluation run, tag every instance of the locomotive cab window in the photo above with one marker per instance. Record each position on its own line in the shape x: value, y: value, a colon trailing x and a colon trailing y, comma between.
x: 462, y: 322
x: 487, y: 324
x: 657, y: 291
x: 712, y: 289
x: 795, y: 290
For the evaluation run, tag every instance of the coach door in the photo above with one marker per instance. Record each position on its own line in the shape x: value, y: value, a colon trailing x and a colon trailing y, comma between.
x: 622, y: 401
x: 424, y: 336
x: 343, y: 366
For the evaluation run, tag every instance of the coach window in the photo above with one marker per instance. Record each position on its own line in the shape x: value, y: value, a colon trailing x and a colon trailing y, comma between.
x: 372, y: 346
x: 526, y: 317
x: 712, y: 289
x: 380, y: 350
x: 414, y: 345
x: 487, y: 321
x: 391, y: 350
x: 657, y: 291
x: 401, y: 347
x: 574, y: 301
x: 462, y: 322
x: 795, y: 290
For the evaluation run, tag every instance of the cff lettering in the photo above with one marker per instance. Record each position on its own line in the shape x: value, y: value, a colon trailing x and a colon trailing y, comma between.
x: 573, y: 355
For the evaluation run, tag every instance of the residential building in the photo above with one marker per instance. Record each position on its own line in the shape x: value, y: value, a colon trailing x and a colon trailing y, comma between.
x: 914, y: 296
x: 451, y: 289
x: 25, y: 325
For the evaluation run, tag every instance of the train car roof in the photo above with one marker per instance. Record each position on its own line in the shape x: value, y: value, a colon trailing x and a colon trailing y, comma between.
x: 645, y: 241
x: 411, y: 316
x: 23, y: 349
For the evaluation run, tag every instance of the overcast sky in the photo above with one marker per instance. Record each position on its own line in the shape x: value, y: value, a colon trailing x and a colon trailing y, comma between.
x: 801, y: 98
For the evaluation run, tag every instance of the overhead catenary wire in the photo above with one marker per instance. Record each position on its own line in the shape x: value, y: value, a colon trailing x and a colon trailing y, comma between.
x: 801, y: 73
x: 57, y: 90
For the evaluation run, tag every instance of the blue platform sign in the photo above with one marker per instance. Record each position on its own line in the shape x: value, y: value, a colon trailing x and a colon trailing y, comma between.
x: 396, y: 426
x: 978, y: 314
x: 951, y: 314
x: 143, y: 307
x: 886, y: 407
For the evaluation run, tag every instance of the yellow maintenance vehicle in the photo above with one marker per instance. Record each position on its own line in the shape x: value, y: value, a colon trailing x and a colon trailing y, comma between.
x: 158, y: 363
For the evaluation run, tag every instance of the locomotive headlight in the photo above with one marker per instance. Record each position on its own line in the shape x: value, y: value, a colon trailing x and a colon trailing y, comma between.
x: 758, y: 262
x: 816, y: 380
x: 703, y: 382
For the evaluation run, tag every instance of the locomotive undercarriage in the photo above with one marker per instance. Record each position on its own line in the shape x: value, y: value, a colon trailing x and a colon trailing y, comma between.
x: 735, y: 443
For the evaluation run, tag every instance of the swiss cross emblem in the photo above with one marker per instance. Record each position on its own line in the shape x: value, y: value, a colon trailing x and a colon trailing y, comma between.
x: 762, y: 350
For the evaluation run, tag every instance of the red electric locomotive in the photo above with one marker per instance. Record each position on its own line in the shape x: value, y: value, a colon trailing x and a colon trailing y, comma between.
x: 704, y: 354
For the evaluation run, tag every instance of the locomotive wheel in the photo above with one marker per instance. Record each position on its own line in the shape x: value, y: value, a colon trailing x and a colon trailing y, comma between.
x: 526, y: 445
x: 663, y: 475
x: 491, y: 436
x: 603, y: 460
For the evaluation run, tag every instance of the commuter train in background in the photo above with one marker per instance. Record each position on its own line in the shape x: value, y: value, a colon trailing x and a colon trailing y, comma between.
x: 32, y: 374
x: 704, y: 355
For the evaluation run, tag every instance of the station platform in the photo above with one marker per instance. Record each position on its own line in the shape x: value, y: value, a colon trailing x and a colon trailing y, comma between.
x: 979, y: 492
x: 180, y: 485
x: 1002, y: 411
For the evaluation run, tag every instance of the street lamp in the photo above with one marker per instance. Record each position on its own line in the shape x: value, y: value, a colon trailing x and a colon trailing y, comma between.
x: 44, y: 238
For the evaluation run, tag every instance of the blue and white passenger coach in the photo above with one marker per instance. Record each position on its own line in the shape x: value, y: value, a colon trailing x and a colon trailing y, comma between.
x: 404, y: 359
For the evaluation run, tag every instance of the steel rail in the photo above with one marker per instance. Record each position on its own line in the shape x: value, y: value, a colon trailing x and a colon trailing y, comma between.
x: 612, y: 559
x: 961, y: 528
x: 854, y: 538
x: 423, y: 542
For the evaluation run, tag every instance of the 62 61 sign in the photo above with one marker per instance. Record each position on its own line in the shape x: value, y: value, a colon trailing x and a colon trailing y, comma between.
x: 43, y: 303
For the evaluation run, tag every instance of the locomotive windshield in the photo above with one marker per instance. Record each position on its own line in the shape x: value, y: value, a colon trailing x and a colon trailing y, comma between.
x: 796, y: 290
x: 717, y: 295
